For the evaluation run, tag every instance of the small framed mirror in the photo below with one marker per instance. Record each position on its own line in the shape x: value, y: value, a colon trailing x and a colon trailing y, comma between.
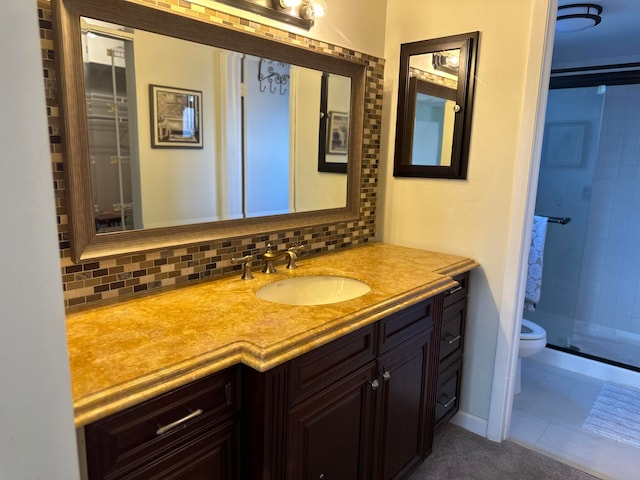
x: 435, y: 103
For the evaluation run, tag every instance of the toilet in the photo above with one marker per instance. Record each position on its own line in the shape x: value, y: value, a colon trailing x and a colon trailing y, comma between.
x: 533, y: 339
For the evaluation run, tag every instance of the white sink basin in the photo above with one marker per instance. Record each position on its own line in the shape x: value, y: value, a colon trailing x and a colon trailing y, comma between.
x: 313, y: 290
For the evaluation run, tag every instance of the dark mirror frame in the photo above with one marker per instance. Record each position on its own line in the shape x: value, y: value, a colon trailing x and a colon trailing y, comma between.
x: 85, y: 243
x: 402, y: 165
x: 323, y: 164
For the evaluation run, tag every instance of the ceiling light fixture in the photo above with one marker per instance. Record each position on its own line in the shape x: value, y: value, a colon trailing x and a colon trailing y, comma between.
x: 578, y: 16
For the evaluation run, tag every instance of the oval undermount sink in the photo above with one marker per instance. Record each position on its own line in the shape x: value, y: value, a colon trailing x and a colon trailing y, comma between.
x: 313, y: 290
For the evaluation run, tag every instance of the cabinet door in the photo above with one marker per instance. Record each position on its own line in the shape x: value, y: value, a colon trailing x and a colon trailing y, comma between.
x: 329, y: 435
x: 403, y: 407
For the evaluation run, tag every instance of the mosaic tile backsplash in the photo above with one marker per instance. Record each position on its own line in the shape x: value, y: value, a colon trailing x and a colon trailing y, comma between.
x: 98, y: 282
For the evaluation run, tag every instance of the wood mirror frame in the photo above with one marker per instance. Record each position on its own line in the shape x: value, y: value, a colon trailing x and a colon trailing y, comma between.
x: 85, y: 243
x: 457, y: 169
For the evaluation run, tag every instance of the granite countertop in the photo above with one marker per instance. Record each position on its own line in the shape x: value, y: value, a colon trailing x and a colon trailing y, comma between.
x: 128, y: 352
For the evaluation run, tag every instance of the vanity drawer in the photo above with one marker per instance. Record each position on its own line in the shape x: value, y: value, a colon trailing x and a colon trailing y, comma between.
x: 140, y: 434
x: 213, y: 455
x: 458, y: 292
x: 448, y: 393
x: 320, y: 368
x: 405, y: 325
x: 452, y: 333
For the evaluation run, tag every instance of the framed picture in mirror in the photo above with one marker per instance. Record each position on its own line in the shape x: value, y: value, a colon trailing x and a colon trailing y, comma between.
x: 176, y: 117
x: 338, y: 133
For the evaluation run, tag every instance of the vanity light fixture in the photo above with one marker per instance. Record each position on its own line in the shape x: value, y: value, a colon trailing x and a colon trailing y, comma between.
x: 447, y: 61
x: 307, y: 9
x: 301, y: 13
x: 578, y: 16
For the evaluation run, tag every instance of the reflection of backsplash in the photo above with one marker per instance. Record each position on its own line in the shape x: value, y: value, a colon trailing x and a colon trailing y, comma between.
x: 96, y: 282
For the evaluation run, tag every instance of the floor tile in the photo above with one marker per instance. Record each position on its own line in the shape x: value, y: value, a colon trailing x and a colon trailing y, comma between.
x: 548, y: 416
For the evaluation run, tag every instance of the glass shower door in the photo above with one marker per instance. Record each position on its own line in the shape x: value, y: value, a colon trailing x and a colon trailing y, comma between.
x: 590, y: 172
x: 568, y: 163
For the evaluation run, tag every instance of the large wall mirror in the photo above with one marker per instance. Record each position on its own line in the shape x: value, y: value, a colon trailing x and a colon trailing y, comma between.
x: 179, y: 131
x: 435, y: 102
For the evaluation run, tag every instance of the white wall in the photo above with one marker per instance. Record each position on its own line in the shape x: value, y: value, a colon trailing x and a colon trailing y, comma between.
x: 481, y: 217
x: 176, y: 184
x: 312, y: 189
x: 37, y: 436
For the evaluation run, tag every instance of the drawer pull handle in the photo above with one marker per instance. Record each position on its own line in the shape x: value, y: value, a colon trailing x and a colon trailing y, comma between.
x: 451, y: 339
x: 448, y: 404
x: 455, y: 289
x: 166, y: 428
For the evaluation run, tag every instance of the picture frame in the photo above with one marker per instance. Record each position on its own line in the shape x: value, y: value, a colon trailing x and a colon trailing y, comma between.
x: 563, y: 144
x: 337, y: 133
x: 176, y: 117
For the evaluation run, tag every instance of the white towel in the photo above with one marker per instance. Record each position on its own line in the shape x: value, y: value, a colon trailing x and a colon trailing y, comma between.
x: 534, y: 272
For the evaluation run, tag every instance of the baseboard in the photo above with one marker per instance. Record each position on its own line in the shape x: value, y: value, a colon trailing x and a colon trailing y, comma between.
x: 471, y: 423
x: 588, y: 367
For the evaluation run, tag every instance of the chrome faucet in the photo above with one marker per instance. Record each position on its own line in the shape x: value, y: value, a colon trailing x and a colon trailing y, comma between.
x: 271, y: 256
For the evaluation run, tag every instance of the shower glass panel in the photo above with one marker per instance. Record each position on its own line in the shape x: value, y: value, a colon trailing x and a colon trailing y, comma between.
x: 590, y: 172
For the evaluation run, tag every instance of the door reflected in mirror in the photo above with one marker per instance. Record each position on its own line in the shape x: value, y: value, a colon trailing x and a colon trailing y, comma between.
x: 204, y: 135
x: 435, y: 102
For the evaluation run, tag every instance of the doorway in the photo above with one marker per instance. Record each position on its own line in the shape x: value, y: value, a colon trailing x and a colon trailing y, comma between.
x: 590, y: 174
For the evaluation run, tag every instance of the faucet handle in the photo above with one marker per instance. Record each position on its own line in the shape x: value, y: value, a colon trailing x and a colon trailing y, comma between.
x: 295, y: 248
x: 247, y: 262
x: 291, y: 253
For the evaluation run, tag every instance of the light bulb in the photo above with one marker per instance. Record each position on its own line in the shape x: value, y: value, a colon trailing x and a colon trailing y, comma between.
x: 289, y: 3
x: 307, y: 12
x: 319, y: 8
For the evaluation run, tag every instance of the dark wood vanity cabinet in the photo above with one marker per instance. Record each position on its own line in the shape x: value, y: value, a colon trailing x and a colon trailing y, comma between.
x: 363, y: 406
x: 357, y: 408
x: 190, y: 433
x: 451, y: 334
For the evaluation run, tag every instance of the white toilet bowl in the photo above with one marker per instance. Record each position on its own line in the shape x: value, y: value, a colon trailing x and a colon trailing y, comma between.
x: 533, y: 339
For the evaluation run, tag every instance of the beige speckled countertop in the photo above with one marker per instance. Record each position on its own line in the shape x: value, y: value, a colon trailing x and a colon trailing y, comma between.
x: 125, y: 353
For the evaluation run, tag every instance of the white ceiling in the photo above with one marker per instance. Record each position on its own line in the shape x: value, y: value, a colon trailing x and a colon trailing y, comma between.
x: 615, y: 40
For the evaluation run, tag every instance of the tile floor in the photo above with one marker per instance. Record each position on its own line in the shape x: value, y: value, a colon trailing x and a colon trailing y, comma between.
x: 548, y: 415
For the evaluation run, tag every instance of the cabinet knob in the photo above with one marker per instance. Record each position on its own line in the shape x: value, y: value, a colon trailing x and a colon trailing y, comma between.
x: 374, y: 384
x: 322, y: 476
x: 386, y: 375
